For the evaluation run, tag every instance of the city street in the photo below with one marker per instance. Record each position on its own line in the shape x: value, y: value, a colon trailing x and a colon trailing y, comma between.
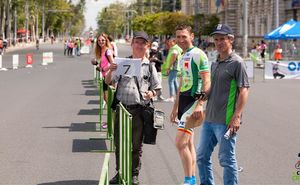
x: 48, y: 113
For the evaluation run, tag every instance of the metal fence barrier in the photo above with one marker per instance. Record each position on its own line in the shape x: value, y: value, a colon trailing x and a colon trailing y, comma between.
x: 104, y: 173
x: 125, y: 145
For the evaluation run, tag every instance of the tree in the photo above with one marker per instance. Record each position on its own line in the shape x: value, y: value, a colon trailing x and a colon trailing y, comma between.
x: 112, y: 19
x: 163, y: 23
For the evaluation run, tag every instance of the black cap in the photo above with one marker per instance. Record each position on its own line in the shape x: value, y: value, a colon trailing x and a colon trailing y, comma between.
x: 141, y: 35
x: 223, y: 29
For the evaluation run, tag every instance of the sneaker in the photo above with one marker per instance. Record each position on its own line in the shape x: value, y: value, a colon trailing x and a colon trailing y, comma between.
x: 104, y: 125
x: 169, y: 100
x: 115, y: 179
x: 161, y: 98
x: 135, y: 180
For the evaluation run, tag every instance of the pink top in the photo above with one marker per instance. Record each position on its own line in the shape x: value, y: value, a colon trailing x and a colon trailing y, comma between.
x: 104, y: 64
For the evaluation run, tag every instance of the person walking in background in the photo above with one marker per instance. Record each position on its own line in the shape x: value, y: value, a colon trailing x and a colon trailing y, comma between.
x: 155, y: 57
x: 172, y: 67
x: 135, y: 94
x: 113, y: 45
x: 262, y: 48
x: 194, y: 85
x: 277, y: 53
x: 226, y: 101
x: 1, y: 45
x: 104, y: 56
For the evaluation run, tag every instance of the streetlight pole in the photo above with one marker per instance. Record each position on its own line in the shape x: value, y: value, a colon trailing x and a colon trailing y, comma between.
x: 276, y: 13
x: 27, y: 19
x: 15, y: 25
x: 43, y: 21
x: 245, y: 28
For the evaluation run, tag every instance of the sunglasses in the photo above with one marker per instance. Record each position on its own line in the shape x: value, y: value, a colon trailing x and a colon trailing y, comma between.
x: 102, y: 40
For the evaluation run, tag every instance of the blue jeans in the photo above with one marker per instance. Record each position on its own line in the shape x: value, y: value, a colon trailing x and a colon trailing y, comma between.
x: 210, y: 135
x: 173, y: 84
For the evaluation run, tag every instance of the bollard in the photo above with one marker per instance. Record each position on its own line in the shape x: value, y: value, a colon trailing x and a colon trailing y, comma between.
x: 1, y: 68
x: 29, y: 60
x: 15, y: 61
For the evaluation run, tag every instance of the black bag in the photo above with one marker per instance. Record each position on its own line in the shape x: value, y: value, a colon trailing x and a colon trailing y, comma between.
x: 115, y: 102
x: 149, y: 131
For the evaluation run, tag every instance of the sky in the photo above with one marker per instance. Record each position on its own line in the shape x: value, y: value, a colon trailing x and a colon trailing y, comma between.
x: 92, y: 9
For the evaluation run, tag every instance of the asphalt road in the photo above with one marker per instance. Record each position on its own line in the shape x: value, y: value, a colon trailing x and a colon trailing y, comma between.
x: 48, y: 113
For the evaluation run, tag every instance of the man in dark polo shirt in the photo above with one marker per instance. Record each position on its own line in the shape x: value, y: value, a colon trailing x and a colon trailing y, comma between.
x: 135, y: 94
x: 226, y: 101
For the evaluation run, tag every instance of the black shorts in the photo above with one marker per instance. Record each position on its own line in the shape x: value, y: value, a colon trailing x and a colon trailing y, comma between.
x: 185, y: 102
x: 105, y: 86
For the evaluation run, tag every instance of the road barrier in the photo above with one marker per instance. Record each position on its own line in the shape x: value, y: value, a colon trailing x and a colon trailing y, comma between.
x: 125, y: 145
x: 104, y: 173
x: 47, y: 58
x: 15, y: 61
x: 29, y: 60
x: 2, y: 68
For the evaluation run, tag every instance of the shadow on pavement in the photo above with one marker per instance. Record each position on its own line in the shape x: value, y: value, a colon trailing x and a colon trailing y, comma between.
x: 79, y: 127
x: 83, y: 127
x: 94, y: 102
x: 88, y: 112
x: 87, y: 145
x: 72, y: 182
x: 91, y: 93
x: 90, y: 86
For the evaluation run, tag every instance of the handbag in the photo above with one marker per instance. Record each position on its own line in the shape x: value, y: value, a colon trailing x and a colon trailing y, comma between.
x: 158, y: 119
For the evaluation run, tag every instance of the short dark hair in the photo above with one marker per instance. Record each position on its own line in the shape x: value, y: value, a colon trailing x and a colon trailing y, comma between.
x: 184, y: 27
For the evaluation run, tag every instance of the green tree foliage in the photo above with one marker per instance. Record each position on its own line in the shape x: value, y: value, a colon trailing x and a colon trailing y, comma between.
x: 112, y: 19
x: 61, y: 16
x: 204, y: 24
x: 163, y: 23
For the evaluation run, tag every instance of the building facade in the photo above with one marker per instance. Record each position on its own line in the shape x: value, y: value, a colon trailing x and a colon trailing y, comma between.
x: 261, y: 14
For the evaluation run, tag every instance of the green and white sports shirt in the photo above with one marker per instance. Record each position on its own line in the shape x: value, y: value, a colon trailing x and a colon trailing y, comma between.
x: 192, y: 64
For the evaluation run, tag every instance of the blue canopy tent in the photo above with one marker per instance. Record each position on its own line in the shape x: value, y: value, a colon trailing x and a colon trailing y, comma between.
x: 279, y: 32
x: 293, y: 32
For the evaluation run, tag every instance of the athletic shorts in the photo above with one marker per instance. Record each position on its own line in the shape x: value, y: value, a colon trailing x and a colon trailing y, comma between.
x: 185, y: 108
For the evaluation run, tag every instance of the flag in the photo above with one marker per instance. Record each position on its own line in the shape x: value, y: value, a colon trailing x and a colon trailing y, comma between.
x: 220, y: 2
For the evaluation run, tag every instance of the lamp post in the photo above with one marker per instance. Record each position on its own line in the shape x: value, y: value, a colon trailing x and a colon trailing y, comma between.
x: 245, y: 28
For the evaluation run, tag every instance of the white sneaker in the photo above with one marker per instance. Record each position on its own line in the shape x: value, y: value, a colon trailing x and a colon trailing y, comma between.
x: 169, y: 100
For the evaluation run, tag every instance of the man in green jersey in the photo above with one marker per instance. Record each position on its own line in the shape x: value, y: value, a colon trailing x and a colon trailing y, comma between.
x: 194, y: 81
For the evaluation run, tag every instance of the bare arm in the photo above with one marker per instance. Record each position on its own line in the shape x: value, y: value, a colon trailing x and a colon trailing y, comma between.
x: 108, y: 77
x: 205, y: 76
x: 173, y: 60
x: 174, y: 112
x: 235, y: 122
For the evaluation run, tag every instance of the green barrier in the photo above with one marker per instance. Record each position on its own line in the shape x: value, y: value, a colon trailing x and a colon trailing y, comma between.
x: 110, y: 123
x: 100, y: 85
x: 104, y: 173
x: 110, y: 116
x: 125, y: 146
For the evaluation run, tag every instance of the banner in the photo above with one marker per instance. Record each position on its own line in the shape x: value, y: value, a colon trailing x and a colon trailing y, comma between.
x: 250, y: 69
x: 282, y: 69
x: 47, y: 58
x: 128, y: 67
